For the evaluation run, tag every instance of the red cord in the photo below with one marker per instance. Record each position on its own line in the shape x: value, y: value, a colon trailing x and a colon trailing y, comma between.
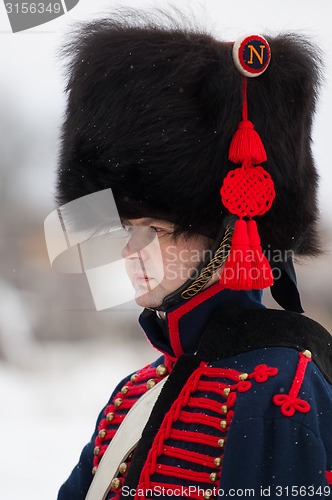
x: 244, y: 99
x: 290, y: 403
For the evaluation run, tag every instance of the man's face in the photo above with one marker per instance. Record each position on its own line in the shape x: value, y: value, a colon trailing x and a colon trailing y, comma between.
x: 157, y: 263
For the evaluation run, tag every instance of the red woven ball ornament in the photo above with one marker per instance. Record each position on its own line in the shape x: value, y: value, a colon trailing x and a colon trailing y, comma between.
x: 247, y: 191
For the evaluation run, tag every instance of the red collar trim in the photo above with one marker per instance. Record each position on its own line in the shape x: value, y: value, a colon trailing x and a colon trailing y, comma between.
x: 173, y: 317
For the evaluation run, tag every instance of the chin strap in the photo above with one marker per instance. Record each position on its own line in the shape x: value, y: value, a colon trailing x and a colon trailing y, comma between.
x: 220, y: 251
x: 215, y: 263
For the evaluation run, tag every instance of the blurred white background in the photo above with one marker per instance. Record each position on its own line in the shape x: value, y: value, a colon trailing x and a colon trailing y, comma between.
x: 59, y: 359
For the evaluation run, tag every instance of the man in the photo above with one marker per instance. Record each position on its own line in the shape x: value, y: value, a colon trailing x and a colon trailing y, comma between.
x: 153, y: 116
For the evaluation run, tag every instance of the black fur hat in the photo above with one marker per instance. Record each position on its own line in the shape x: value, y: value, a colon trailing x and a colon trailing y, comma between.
x: 153, y: 103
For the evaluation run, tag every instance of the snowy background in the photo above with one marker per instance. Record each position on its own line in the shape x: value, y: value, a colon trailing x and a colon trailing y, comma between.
x: 59, y: 359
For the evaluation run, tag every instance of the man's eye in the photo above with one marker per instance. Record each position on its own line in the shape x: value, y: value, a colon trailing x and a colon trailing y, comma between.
x: 157, y: 229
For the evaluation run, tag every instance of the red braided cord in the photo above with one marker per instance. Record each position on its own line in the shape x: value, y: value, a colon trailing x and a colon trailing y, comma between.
x: 231, y: 400
x: 189, y: 475
x: 208, y: 404
x: 194, y: 437
x: 230, y: 373
x: 199, y: 418
x: 192, y: 456
x: 290, y: 403
x: 299, y: 376
x: 262, y: 372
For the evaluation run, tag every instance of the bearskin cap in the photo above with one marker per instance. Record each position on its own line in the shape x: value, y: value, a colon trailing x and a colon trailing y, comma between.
x: 153, y: 103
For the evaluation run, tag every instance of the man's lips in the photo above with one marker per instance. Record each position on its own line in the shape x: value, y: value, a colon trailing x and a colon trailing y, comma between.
x: 142, y: 277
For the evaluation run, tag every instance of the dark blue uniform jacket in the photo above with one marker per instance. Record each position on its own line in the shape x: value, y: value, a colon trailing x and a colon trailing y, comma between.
x: 246, y: 411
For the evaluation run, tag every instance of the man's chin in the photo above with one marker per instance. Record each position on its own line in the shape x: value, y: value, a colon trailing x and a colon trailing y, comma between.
x: 149, y: 298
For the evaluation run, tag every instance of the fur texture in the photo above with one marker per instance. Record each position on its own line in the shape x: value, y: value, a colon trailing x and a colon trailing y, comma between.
x: 153, y: 103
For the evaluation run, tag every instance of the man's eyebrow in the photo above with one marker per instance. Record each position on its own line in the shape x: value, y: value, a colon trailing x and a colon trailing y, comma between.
x: 146, y: 221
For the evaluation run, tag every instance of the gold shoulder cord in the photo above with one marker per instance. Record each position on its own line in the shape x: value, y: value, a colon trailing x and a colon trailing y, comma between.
x: 214, y: 264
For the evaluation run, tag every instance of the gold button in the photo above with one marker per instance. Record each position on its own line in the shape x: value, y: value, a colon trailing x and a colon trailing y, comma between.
x: 224, y: 409
x: 118, y: 402
x: 223, y: 424
x: 110, y: 416
x: 116, y: 483
x: 207, y: 495
x: 150, y: 383
x: 123, y: 468
x: 243, y: 376
x: 96, y: 450
x: 226, y: 391
x: 221, y: 443
x: 213, y: 476
x: 125, y: 389
x: 94, y: 470
x: 161, y: 370
x: 102, y: 433
x: 133, y: 378
x: 306, y: 353
x: 217, y: 462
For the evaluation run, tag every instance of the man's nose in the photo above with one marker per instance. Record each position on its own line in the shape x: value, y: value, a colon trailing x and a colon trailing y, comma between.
x: 135, y: 248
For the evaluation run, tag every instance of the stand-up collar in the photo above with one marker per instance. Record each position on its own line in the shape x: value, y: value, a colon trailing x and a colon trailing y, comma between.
x: 183, y: 326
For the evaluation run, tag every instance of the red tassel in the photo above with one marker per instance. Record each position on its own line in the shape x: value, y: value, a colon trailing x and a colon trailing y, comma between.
x: 246, y: 145
x: 236, y: 274
x: 261, y: 272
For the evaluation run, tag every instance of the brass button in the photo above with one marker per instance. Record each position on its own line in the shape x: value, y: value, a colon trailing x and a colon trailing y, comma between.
x: 116, y: 483
x: 150, y: 383
x: 133, y: 378
x: 224, y: 409
x: 207, y: 495
x: 110, y: 416
x: 243, y: 376
x: 226, y: 391
x: 161, y: 370
x: 221, y: 443
x: 306, y: 353
x: 102, y: 433
x: 217, y: 462
x: 96, y: 450
x: 213, y: 476
x: 223, y: 424
x: 123, y: 468
x: 118, y: 402
x: 94, y: 470
x: 125, y: 389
